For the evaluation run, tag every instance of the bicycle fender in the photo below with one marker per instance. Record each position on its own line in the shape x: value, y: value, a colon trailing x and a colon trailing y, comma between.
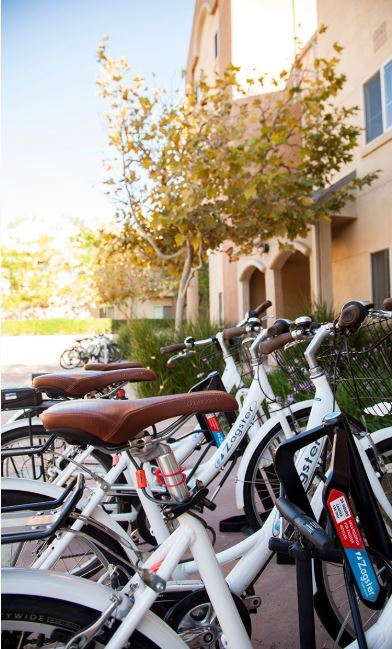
x: 251, y: 447
x: 83, y: 592
x: 54, y: 491
x: 381, y: 434
x: 16, y: 414
x: 22, y: 423
x: 32, y: 486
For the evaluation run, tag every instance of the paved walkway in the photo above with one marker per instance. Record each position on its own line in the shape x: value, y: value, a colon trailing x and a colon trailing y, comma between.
x: 275, y: 625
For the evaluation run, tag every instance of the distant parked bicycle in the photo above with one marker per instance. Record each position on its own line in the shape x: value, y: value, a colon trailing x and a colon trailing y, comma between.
x: 99, y: 349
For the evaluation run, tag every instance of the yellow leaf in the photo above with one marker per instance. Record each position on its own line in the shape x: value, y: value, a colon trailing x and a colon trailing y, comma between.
x: 179, y: 239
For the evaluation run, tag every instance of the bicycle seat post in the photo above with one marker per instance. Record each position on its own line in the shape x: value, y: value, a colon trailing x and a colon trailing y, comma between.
x: 174, y: 478
x: 169, y: 473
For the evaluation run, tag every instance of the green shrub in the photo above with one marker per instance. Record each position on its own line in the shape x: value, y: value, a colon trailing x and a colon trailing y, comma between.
x: 142, y: 339
x: 60, y: 326
x: 319, y: 311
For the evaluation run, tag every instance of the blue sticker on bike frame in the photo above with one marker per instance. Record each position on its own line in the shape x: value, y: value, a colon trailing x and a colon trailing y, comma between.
x: 218, y: 437
x: 363, y: 573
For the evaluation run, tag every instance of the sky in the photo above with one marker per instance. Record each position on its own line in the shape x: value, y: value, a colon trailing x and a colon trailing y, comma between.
x: 53, y: 131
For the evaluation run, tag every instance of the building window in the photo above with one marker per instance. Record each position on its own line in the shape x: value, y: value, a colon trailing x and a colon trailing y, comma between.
x: 106, y: 312
x: 381, y: 285
x: 161, y: 312
x: 388, y: 93
x: 378, y: 102
x: 216, y: 44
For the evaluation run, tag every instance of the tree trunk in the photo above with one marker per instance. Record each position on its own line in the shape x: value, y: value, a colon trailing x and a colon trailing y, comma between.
x: 182, y: 288
x: 192, y: 299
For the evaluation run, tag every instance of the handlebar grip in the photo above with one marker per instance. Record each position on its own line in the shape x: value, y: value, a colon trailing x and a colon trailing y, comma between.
x: 279, y: 327
x: 349, y: 316
x: 272, y: 344
x: 353, y: 314
x: 232, y: 332
x: 169, y: 349
x: 262, y: 307
x: 387, y: 304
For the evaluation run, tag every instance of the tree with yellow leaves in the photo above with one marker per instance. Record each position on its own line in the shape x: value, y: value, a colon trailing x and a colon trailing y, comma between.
x: 216, y: 164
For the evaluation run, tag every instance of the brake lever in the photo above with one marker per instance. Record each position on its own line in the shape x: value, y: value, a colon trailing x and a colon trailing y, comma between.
x: 184, y: 354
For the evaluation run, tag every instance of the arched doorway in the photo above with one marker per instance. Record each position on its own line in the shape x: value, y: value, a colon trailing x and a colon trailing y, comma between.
x: 295, y: 277
x: 256, y: 288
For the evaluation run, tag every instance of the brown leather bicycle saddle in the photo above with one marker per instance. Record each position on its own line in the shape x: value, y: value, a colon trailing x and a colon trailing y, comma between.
x: 104, y: 422
x: 79, y: 383
x: 107, y: 367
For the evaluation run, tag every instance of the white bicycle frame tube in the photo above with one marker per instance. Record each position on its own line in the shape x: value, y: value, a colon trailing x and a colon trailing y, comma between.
x: 190, y: 534
x: 231, y: 377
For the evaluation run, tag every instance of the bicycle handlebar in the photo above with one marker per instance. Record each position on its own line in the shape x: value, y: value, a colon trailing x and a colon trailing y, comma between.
x: 176, y: 347
x: 232, y: 332
x: 353, y: 314
x: 260, y: 309
x: 255, y: 313
x: 280, y: 326
x: 272, y: 344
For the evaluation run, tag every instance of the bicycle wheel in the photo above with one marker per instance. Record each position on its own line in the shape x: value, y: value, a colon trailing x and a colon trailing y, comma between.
x: 330, y: 600
x: 29, y: 622
x: 50, y: 464
x: 261, y: 485
x: 87, y: 555
x: 70, y: 358
x: 115, y: 353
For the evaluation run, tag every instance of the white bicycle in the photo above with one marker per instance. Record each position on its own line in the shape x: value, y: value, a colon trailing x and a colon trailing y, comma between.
x: 254, y: 552
x: 115, y: 617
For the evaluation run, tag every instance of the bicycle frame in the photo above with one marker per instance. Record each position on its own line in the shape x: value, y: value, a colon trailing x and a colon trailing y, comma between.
x: 164, y: 563
x: 252, y: 552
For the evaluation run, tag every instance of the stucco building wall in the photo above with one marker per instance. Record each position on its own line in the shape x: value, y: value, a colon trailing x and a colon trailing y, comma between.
x: 333, y: 263
x: 364, y: 29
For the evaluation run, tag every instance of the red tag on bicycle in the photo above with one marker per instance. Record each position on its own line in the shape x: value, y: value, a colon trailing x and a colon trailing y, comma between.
x: 353, y: 545
x: 213, y: 423
x: 344, y: 520
x: 141, y: 480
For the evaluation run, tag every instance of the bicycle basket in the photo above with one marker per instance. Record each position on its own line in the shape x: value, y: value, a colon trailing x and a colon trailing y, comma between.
x: 361, y: 365
x: 292, y: 362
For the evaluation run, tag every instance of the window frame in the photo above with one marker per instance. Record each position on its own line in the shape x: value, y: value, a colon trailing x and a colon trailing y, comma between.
x: 216, y: 44
x: 385, y: 128
x: 388, y: 250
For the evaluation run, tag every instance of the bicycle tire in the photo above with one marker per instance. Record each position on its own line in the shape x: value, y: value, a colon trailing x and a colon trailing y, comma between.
x: 330, y: 606
x: 115, y: 353
x: 70, y: 358
x: 124, y: 503
x: 54, y: 618
x: 261, y: 487
x: 38, y: 436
